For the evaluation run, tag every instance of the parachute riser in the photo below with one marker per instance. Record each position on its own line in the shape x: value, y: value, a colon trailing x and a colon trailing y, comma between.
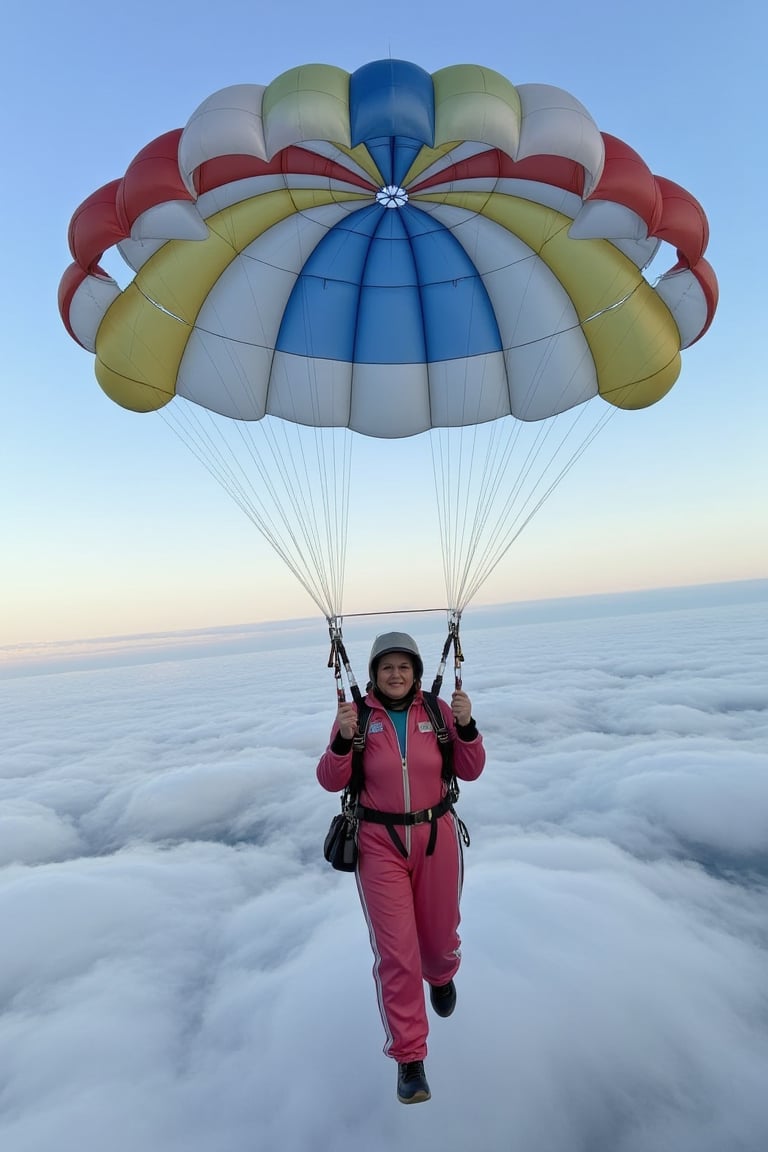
x: 337, y: 658
x: 452, y: 641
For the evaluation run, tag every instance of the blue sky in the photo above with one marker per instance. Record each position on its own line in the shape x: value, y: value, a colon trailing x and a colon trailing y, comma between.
x: 109, y: 526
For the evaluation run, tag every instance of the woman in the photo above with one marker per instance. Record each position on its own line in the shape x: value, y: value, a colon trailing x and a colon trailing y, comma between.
x: 410, y: 867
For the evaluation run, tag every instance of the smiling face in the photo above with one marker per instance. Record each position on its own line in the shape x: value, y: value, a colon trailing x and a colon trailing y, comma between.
x: 395, y: 675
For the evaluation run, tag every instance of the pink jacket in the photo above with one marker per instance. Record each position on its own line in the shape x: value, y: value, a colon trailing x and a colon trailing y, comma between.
x: 393, y: 783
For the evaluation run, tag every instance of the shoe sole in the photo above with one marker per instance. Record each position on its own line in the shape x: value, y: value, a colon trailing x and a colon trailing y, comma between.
x: 417, y: 1098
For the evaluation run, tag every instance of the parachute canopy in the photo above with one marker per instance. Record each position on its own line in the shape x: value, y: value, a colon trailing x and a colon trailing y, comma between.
x: 388, y: 252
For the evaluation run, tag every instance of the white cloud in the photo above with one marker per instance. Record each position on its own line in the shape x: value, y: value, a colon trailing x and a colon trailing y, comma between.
x: 181, y: 970
x: 33, y: 833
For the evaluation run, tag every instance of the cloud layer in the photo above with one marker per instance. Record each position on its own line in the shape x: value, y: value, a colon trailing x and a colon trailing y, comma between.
x: 181, y: 970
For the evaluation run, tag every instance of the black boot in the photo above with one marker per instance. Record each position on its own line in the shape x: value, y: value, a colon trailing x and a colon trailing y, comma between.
x: 412, y: 1087
x: 443, y: 998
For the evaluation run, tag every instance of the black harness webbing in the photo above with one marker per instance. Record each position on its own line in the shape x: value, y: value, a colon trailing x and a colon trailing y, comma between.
x: 407, y: 819
x: 392, y: 820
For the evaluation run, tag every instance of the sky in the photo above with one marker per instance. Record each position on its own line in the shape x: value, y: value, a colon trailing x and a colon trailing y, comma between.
x: 184, y: 971
x: 109, y: 525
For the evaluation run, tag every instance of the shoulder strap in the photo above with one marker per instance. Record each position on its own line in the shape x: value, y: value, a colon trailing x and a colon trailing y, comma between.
x: 446, y: 747
x: 355, y: 785
x: 437, y: 721
x: 436, y: 718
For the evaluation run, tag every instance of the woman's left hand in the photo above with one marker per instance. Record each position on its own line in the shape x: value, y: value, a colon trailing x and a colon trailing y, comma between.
x: 461, y: 706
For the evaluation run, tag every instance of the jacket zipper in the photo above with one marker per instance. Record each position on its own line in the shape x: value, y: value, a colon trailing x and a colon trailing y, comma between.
x: 406, y: 782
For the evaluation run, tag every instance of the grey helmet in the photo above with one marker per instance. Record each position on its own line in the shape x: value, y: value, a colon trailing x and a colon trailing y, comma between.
x: 394, y: 642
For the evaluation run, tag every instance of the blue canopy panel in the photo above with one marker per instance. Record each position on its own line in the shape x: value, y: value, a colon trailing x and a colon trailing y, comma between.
x: 392, y: 112
x: 389, y: 286
x: 393, y: 156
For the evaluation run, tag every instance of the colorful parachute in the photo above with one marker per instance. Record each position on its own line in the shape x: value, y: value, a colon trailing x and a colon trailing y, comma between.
x: 388, y: 253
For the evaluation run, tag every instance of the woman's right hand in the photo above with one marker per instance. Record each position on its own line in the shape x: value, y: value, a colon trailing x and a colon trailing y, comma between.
x: 346, y: 718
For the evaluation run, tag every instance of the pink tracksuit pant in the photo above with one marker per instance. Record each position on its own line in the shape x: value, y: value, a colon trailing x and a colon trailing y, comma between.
x: 412, y: 911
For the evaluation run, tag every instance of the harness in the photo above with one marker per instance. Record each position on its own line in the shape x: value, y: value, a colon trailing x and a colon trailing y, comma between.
x: 393, y: 820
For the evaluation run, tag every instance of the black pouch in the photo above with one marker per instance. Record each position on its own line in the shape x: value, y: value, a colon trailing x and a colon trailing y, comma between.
x: 340, y: 847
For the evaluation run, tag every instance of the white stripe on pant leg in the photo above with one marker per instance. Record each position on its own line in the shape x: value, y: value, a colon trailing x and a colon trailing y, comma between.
x: 376, y: 963
x: 460, y: 847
